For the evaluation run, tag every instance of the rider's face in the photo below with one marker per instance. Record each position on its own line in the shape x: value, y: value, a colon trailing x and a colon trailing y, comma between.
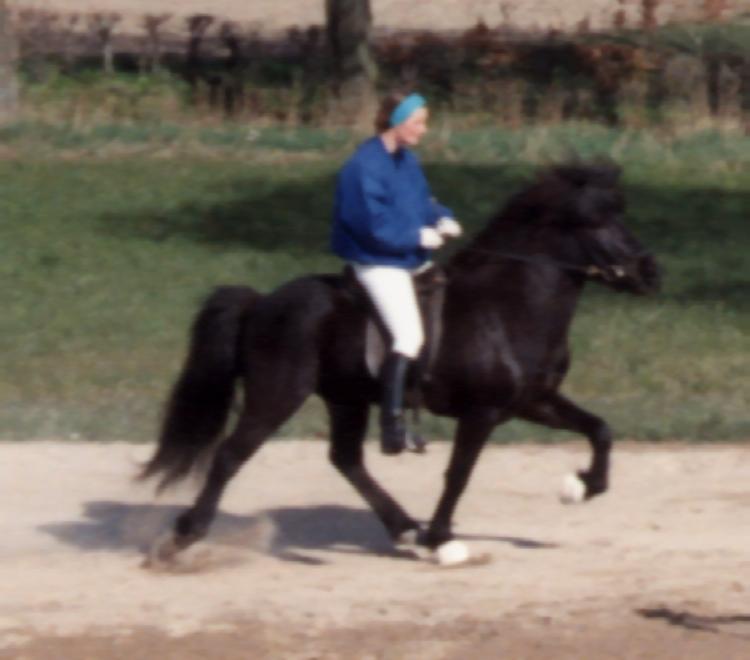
x: 409, y: 133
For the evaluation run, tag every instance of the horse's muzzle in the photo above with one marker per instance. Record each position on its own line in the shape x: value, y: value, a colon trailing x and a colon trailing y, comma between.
x: 640, y: 275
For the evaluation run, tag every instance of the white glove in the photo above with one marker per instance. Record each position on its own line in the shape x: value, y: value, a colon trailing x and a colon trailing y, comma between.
x: 449, y: 228
x: 430, y: 238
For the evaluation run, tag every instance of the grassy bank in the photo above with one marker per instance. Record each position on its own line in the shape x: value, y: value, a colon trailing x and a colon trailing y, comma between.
x: 111, y: 235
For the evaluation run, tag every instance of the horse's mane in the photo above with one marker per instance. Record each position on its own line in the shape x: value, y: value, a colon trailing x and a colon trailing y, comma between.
x: 544, y: 197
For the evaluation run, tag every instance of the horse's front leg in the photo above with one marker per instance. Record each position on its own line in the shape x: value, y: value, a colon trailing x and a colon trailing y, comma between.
x: 556, y: 411
x: 471, y: 436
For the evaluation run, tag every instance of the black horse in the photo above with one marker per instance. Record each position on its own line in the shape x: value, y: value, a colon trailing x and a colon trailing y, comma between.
x: 509, y: 302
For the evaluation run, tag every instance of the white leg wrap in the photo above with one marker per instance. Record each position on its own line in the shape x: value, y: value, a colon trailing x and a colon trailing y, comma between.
x: 573, y: 490
x: 452, y: 553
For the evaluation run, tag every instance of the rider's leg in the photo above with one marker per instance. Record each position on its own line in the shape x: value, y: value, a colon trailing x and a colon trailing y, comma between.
x: 392, y: 424
x: 392, y: 292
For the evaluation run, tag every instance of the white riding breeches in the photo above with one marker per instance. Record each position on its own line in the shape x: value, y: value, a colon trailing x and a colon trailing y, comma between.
x: 391, y: 290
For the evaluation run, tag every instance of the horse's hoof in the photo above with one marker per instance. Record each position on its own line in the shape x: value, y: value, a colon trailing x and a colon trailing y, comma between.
x: 452, y: 553
x: 573, y: 490
x: 455, y: 554
x: 162, y: 552
x: 409, y: 538
x: 411, y: 544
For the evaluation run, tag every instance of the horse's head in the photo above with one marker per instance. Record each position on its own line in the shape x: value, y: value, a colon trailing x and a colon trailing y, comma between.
x: 584, y: 211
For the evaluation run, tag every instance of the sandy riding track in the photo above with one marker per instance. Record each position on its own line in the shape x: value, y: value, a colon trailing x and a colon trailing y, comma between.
x: 296, y: 567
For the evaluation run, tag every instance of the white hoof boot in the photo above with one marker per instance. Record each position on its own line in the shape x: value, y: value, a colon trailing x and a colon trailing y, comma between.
x: 452, y: 553
x: 573, y: 490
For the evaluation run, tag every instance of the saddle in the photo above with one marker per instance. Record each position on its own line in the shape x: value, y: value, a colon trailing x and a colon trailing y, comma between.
x: 429, y: 285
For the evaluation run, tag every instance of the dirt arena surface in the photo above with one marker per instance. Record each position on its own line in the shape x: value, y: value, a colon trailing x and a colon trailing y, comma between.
x: 296, y: 567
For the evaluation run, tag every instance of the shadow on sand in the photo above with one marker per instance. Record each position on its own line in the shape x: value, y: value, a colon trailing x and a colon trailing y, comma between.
x: 288, y: 533
x: 736, y: 625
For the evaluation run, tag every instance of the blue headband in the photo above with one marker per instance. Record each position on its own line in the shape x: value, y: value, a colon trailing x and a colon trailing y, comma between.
x: 403, y: 110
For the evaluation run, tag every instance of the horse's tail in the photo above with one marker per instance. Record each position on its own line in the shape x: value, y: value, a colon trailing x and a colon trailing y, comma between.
x: 201, y: 399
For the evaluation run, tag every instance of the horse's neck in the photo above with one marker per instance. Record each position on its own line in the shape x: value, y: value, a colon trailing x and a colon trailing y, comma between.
x: 498, y: 241
x: 531, y: 293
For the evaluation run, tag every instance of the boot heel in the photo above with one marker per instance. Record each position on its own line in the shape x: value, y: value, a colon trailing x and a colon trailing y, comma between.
x: 393, y: 435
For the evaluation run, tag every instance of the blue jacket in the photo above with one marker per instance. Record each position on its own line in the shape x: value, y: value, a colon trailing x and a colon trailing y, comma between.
x: 382, y: 201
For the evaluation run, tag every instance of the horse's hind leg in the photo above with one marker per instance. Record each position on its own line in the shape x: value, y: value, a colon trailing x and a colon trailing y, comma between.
x: 193, y: 524
x: 348, y: 428
x: 261, y: 416
x: 558, y: 412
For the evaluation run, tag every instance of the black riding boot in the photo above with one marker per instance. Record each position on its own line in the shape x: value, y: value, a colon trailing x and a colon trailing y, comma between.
x: 392, y: 426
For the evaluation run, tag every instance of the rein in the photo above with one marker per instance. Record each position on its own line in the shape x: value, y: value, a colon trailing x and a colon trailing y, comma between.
x: 590, y: 270
x: 608, y: 272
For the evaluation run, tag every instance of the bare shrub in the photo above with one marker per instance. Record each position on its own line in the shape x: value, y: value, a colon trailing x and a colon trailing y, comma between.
x: 102, y: 27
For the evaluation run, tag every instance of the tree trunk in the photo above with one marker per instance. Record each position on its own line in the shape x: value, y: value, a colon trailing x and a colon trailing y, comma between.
x: 713, y: 83
x: 8, y: 56
x: 745, y: 93
x: 349, y: 27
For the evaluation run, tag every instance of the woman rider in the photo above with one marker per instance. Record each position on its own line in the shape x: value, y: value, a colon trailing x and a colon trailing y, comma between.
x: 385, y: 224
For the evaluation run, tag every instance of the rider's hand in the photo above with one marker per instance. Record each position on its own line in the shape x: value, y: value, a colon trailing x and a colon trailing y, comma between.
x: 449, y: 228
x: 430, y: 238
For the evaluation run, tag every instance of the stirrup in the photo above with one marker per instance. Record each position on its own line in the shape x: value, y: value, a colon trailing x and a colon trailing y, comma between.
x: 397, y: 438
x: 415, y: 443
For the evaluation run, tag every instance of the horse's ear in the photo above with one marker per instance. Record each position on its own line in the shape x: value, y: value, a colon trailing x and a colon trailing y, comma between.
x: 573, y: 172
x: 600, y: 173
